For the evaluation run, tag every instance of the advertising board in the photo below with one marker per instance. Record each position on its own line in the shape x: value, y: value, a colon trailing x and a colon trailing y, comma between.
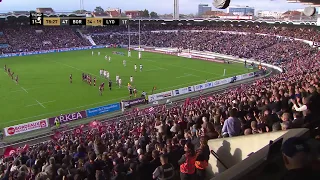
x: 66, y: 118
x: 103, y: 109
x: 26, y: 127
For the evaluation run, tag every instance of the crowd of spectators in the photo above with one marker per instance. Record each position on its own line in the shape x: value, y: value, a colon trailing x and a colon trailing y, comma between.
x: 301, y: 32
x: 171, y: 141
x: 30, y: 38
x: 3, y: 40
x: 269, y: 49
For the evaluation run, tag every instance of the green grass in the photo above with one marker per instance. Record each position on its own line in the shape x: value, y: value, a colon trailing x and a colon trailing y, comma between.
x: 45, y: 79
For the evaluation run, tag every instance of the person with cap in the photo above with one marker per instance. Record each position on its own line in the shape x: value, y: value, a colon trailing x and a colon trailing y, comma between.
x: 165, y: 171
x: 295, y: 153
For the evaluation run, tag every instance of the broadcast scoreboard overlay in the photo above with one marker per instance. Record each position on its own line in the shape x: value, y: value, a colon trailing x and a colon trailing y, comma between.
x: 38, y: 19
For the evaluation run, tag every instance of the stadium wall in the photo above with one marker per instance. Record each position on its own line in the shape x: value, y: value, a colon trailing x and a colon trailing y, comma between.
x: 247, y: 156
x: 234, y: 150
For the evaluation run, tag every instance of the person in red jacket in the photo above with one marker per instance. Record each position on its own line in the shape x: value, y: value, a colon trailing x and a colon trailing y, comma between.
x: 187, y: 163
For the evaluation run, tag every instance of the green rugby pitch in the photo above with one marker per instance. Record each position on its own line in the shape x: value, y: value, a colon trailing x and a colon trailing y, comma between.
x: 44, y: 90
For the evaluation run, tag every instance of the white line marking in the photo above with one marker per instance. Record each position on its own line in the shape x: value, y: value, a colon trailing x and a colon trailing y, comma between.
x: 185, y: 75
x: 40, y: 104
x: 16, y: 91
x: 24, y: 90
x: 155, y: 69
x: 21, y: 90
x: 163, y: 68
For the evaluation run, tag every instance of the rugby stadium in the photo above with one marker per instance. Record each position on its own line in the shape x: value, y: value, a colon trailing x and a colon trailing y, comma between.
x: 106, y: 94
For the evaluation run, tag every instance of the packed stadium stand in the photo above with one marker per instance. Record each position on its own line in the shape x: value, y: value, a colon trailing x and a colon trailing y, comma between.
x: 28, y: 38
x: 130, y: 146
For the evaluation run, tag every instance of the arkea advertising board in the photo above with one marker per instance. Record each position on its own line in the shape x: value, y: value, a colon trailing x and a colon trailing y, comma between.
x: 65, y: 118
x: 26, y: 127
x: 103, y: 109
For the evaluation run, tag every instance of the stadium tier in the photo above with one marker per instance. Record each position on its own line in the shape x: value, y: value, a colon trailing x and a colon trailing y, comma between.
x: 134, y: 144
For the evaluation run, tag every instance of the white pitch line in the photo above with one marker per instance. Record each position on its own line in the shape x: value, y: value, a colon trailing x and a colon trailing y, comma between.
x: 21, y: 90
x: 24, y: 90
x: 32, y: 105
x: 16, y: 91
x: 155, y: 69
x: 185, y: 75
x: 40, y: 104
x: 151, y: 70
x: 193, y: 75
x: 162, y: 68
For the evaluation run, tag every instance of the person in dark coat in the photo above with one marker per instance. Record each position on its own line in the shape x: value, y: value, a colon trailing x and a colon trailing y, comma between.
x: 144, y: 170
x: 203, y: 155
x: 119, y: 174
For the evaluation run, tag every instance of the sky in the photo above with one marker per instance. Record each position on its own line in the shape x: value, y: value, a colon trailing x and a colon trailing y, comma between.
x: 159, y: 6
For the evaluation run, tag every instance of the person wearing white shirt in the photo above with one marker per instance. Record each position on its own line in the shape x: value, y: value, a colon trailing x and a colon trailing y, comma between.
x: 131, y: 79
x: 105, y: 73
x: 117, y: 79
x: 120, y: 81
x: 299, y: 107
